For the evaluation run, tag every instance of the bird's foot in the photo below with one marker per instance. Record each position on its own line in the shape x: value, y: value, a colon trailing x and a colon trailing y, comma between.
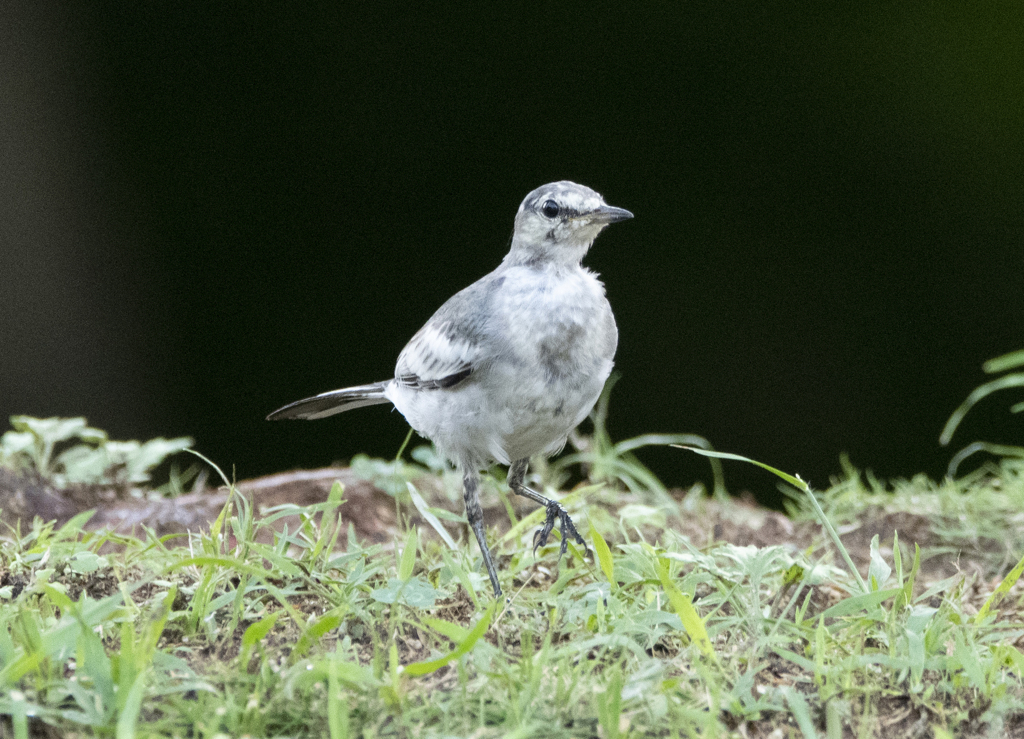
x: 555, y: 512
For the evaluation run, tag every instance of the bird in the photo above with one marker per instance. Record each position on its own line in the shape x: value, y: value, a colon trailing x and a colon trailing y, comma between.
x: 509, y: 366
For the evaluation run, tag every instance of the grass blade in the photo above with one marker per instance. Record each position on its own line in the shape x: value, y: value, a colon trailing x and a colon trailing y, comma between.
x: 424, y: 509
x: 1004, y: 587
x: 800, y: 485
x: 1015, y: 380
x: 801, y: 712
x: 330, y: 620
x: 133, y: 704
x: 426, y: 667
x: 408, y: 561
x: 255, y: 634
x: 604, y: 556
x: 681, y: 604
x: 859, y: 603
x: 337, y: 706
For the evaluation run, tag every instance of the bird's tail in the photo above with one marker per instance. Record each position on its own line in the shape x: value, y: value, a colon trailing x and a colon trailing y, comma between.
x: 336, y: 401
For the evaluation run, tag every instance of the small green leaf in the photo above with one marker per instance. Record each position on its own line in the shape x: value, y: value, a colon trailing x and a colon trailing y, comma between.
x: 908, y: 586
x: 897, y: 557
x: 858, y: 603
x: 797, y: 659
x: 1015, y: 380
x: 916, y: 656
x: 635, y: 514
x: 74, y: 525
x: 878, y: 569
x: 969, y: 660
x: 604, y: 556
x: 418, y: 593
x: 683, y: 606
x: 1004, y: 362
x: 414, y: 592
x: 446, y: 628
x: 337, y: 491
x: 793, y: 575
x: 408, y: 560
x: 330, y: 620
x: 57, y: 597
x: 1004, y: 587
x: 254, y: 634
x: 86, y: 562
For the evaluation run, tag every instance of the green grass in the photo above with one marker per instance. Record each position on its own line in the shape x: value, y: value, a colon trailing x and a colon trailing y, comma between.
x: 1012, y: 361
x: 316, y: 634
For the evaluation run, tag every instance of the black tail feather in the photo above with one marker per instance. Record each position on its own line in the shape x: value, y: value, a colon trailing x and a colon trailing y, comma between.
x: 335, y: 401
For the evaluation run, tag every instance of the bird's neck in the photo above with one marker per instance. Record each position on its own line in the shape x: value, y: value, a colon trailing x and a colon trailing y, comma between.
x: 560, y: 256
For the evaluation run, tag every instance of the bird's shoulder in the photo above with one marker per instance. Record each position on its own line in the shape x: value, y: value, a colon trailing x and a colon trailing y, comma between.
x: 449, y: 346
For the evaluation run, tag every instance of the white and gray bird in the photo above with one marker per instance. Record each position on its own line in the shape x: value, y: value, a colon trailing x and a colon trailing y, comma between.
x: 507, y: 367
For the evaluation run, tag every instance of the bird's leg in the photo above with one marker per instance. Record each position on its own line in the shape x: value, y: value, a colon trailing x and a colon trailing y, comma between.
x: 475, y: 515
x: 554, y: 511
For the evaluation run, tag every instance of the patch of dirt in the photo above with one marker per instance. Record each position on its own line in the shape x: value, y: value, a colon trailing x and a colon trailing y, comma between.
x: 97, y: 585
x: 913, y: 529
x: 23, y: 497
x: 17, y: 583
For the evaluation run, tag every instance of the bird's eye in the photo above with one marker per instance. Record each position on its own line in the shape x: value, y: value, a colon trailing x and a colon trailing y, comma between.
x: 549, y: 209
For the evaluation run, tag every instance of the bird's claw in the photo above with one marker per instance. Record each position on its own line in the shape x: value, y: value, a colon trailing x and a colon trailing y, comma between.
x: 555, y: 512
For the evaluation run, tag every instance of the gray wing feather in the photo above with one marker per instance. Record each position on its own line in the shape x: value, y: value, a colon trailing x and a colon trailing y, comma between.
x: 449, y: 347
x: 436, y: 357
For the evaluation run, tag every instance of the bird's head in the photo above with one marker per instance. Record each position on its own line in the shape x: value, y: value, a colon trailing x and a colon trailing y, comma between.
x: 558, y: 222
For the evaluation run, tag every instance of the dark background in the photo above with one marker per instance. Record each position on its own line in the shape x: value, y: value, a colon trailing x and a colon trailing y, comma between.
x: 208, y: 212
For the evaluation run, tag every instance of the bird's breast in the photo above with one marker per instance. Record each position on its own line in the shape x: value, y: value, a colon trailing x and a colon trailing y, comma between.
x: 560, y: 322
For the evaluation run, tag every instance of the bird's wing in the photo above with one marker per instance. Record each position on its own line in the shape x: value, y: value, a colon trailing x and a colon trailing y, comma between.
x: 336, y: 401
x: 437, y: 357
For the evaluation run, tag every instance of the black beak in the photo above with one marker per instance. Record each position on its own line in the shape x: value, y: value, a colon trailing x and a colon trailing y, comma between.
x: 611, y: 214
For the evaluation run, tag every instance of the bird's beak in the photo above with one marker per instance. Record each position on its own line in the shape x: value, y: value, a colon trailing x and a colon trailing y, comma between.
x: 610, y: 214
